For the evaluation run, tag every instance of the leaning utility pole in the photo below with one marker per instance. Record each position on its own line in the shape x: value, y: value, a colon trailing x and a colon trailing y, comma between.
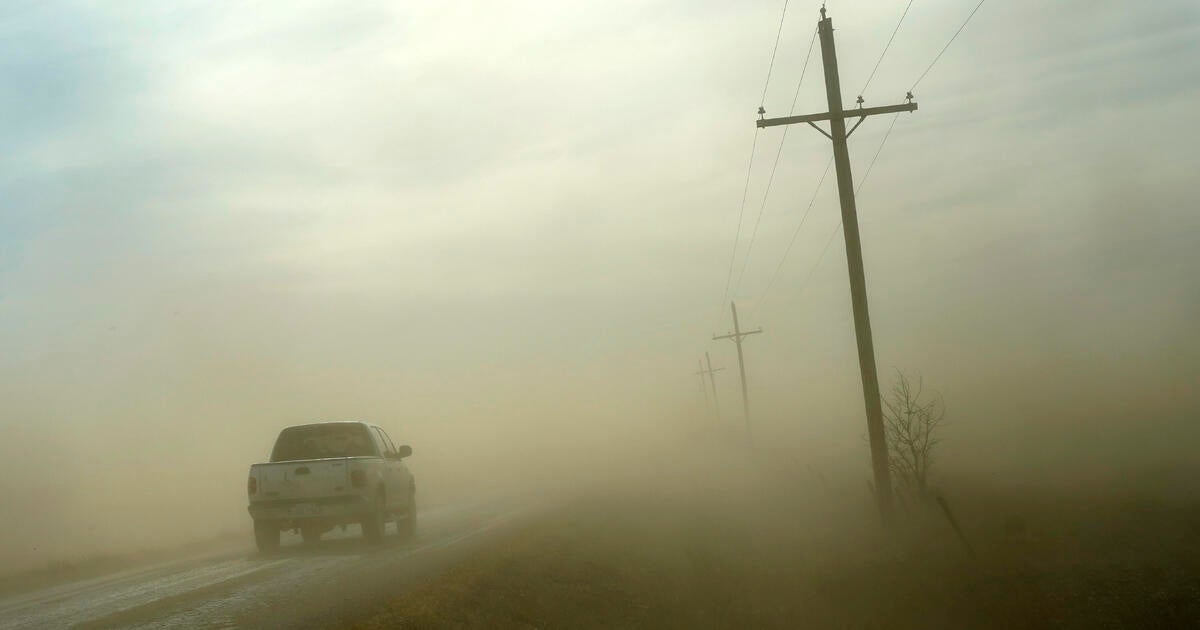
x: 736, y: 336
x: 858, y: 289
x: 713, y: 381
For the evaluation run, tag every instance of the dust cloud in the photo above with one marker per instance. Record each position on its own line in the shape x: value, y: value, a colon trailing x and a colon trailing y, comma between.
x: 525, y: 305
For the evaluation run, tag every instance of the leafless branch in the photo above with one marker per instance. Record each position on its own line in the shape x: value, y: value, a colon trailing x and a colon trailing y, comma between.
x: 911, y: 422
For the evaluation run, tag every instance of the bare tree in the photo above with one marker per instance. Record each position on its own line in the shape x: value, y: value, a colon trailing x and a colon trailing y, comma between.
x: 911, y: 424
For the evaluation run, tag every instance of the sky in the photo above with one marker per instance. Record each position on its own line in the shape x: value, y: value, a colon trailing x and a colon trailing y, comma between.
x: 220, y: 218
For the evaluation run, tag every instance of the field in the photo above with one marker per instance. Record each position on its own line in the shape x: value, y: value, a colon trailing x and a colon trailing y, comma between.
x: 756, y: 550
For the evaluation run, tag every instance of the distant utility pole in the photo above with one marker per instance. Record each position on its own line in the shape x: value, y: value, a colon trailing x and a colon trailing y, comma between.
x: 703, y: 387
x: 736, y: 336
x: 713, y: 381
x: 858, y: 289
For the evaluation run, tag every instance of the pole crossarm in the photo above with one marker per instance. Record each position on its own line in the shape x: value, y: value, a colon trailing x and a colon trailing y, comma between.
x: 737, y: 336
x: 861, y: 112
x: 712, y: 381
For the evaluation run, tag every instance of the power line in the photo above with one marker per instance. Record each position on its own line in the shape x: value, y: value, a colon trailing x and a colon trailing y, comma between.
x: 774, y: 50
x: 939, y: 55
x: 833, y: 234
x: 796, y: 233
x: 870, y: 166
x: 813, y: 269
x: 741, y: 212
x: 870, y: 78
x: 875, y: 157
x: 771, y: 179
x: 861, y: 183
x: 882, y: 142
x: 885, y: 48
x: 750, y: 164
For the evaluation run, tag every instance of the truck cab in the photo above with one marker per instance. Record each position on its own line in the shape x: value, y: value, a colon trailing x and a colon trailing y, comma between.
x: 327, y: 474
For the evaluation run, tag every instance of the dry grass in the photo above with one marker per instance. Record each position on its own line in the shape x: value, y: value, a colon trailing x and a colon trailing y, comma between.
x: 774, y: 555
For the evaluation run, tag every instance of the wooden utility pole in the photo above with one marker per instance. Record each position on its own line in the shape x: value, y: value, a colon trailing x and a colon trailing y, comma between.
x: 737, y: 336
x: 703, y: 387
x: 858, y: 287
x: 713, y: 381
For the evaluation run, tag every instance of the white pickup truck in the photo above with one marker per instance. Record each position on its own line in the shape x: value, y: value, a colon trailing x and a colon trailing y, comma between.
x: 328, y: 474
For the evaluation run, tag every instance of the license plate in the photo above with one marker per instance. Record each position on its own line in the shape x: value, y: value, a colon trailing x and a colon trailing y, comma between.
x: 306, y: 509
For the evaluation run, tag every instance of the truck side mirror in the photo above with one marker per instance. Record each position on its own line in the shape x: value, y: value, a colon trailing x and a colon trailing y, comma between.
x: 403, y: 451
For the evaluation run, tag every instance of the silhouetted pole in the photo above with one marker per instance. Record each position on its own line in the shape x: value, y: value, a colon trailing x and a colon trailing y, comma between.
x: 858, y: 286
x: 736, y: 336
x: 713, y: 381
x: 703, y: 387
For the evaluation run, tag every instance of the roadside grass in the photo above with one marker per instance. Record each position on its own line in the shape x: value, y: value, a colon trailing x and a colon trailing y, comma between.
x: 780, y: 555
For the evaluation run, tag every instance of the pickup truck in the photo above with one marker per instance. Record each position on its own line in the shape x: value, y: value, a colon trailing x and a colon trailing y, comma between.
x: 328, y: 474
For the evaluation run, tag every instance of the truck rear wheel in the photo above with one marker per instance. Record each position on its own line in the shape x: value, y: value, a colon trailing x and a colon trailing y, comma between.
x: 373, y: 523
x: 407, y: 526
x: 266, y: 536
x: 311, y: 533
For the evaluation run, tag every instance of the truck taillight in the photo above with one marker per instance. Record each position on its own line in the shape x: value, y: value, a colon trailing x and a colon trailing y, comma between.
x: 358, y: 478
x: 251, y: 485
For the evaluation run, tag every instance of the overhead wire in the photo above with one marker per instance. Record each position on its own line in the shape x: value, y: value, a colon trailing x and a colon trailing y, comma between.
x: 796, y: 233
x: 771, y: 66
x: 885, y: 48
x: 886, y: 135
x: 874, y: 158
x: 861, y: 183
x: 750, y: 163
x: 775, y: 165
x: 737, y: 235
x: 952, y: 38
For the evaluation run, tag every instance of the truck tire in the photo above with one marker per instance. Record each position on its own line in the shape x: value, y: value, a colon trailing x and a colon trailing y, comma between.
x: 266, y: 536
x: 373, y: 523
x: 407, y: 526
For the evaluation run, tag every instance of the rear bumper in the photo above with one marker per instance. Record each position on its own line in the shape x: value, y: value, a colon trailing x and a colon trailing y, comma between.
x: 340, y: 508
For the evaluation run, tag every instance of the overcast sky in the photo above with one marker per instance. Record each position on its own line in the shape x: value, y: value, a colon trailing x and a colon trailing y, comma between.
x: 282, y: 210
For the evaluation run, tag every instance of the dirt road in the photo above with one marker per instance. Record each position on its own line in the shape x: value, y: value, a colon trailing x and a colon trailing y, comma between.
x: 303, y: 586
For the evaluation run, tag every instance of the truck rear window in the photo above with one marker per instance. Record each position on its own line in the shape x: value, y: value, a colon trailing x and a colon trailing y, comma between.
x: 317, y: 441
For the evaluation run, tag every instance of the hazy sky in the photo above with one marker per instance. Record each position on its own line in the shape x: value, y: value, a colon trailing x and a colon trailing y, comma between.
x: 229, y: 214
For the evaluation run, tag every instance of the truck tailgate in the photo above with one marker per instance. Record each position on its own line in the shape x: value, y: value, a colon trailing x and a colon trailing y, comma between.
x: 306, y: 479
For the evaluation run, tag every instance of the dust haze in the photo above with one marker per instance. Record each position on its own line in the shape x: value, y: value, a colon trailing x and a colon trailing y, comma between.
x: 502, y: 234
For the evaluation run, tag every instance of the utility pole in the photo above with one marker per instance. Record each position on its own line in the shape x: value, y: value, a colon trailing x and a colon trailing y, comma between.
x: 713, y: 381
x: 703, y: 387
x: 737, y: 336
x: 858, y: 288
